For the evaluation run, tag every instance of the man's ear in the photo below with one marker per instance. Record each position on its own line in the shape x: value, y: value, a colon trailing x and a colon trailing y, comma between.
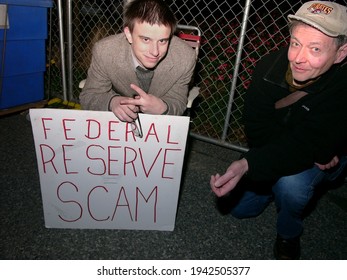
x: 128, y: 34
x: 341, y: 53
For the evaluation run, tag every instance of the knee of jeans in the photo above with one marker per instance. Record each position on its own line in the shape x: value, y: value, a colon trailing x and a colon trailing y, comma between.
x: 292, y: 192
x: 252, y: 211
x: 239, y: 214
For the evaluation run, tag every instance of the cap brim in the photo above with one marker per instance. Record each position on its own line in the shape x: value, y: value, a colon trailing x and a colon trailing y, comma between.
x: 313, y: 24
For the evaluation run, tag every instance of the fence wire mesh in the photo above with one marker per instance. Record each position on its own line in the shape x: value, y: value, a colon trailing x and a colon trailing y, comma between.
x: 223, y: 80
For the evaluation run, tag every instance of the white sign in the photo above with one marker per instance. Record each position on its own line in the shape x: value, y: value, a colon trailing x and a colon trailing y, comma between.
x: 95, y: 173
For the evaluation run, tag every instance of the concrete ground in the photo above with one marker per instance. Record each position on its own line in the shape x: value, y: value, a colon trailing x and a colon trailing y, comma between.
x: 201, y: 230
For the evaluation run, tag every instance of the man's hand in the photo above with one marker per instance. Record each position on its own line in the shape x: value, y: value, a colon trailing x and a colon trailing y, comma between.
x: 329, y: 165
x: 147, y: 103
x: 221, y: 185
x: 125, y: 113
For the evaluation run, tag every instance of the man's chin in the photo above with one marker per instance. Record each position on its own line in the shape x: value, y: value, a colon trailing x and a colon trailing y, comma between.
x: 151, y: 65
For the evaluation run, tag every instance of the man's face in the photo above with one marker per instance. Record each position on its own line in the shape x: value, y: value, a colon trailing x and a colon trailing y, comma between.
x: 311, y: 53
x: 149, y: 42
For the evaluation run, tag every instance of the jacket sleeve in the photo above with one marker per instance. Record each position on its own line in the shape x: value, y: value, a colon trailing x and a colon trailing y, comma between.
x: 97, y: 91
x: 177, y: 97
x: 172, y: 83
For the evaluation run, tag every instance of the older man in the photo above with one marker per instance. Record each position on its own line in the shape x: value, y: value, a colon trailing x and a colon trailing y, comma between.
x: 295, y: 120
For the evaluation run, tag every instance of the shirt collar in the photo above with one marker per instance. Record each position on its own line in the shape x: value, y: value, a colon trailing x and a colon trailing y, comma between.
x: 135, y: 61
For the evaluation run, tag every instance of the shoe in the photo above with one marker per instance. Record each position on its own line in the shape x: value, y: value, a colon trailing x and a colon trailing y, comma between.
x: 287, y: 249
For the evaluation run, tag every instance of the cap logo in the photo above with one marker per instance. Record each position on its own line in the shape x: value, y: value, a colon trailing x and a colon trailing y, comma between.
x: 318, y: 8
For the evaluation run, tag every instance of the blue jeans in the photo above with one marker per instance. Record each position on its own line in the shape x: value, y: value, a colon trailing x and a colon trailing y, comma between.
x: 291, y: 195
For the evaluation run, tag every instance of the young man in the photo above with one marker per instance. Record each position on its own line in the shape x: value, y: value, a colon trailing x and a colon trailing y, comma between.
x: 114, y: 82
x: 295, y: 120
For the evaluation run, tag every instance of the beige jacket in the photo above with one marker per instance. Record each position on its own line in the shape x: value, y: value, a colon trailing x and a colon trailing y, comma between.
x: 111, y: 72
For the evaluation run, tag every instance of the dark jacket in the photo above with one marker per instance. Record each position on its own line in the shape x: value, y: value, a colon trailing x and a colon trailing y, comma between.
x: 290, y: 140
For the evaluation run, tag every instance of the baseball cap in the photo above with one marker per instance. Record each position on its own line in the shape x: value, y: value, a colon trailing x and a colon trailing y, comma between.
x: 328, y: 17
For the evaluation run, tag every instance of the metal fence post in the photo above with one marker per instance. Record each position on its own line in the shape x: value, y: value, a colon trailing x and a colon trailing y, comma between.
x: 236, y: 69
x: 62, y: 48
x: 70, y: 51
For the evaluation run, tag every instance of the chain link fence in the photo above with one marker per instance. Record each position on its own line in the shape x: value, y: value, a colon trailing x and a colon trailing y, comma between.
x: 235, y: 35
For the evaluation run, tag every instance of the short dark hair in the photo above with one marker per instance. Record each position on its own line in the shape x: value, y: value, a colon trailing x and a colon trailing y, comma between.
x: 150, y: 11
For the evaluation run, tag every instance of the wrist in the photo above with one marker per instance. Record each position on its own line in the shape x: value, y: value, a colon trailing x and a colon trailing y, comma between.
x: 244, y: 163
x: 110, y: 103
x: 166, y: 110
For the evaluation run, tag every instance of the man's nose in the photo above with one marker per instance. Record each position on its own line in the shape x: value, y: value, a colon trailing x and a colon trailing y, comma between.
x: 154, y: 50
x: 301, y: 56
